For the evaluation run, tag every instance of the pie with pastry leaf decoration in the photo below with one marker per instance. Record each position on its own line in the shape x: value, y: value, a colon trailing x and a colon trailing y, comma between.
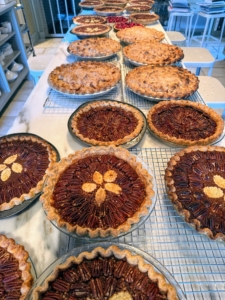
x: 185, y: 123
x: 90, y: 3
x: 195, y: 179
x: 89, y: 19
x: 162, y: 82
x: 107, y: 123
x: 23, y: 163
x: 134, y: 8
x: 85, y: 77
x: 98, y: 191
x: 110, y: 273
x: 140, y: 34
x: 91, y: 30
x: 15, y: 271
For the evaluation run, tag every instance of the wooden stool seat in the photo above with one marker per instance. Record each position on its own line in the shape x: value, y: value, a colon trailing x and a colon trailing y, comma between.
x: 176, y: 38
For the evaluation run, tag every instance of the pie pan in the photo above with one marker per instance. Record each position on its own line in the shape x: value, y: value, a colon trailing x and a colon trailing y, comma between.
x: 126, y: 145
x: 108, y: 11
x: 19, y: 208
x: 148, y: 259
x: 135, y: 18
x: 100, y: 20
x: 138, y: 8
x: 84, y: 35
x: 90, y: 4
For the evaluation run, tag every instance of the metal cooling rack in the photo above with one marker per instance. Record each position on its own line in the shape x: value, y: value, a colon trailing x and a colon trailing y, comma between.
x: 196, y: 262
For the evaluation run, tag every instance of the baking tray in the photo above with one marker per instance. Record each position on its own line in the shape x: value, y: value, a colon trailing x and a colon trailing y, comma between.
x: 127, y: 145
x: 76, y: 251
x: 26, y: 203
x: 133, y: 226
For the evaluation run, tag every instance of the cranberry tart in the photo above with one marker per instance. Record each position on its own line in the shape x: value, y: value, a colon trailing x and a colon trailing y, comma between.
x: 140, y: 34
x: 144, y: 18
x: 23, y: 163
x: 109, y: 273
x: 107, y: 123
x: 185, y: 123
x: 15, y: 271
x: 85, y: 77
x: 98, y: 191
x: 90, y: 30
x: 195, y: 178
x: 167, y: 82
x: 89, y: 19
x: 155, y: 54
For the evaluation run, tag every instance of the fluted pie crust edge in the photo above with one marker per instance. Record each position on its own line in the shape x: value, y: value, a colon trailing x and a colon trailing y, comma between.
x: 58, y: 168
x: 112, y: 104
x: 21, y: 256
x: 184, y: 142
x: 132, y: 259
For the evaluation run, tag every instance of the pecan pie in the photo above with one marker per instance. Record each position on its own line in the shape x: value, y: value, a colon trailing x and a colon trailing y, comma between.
x: 140, y: 2
x: 98, y: 191
x: 119, y: 3
x: 195, y: 178
x: 138, y: 8
x: 15, y: 271
x: 108, y: 10
x: 185, y: 123
x: 85, y: 77
x: 144, y: 18
x: 109, y: 273
x: 91, y: 30
x: 23, y: 163
x: 149, y: 53
x: 90, y: 3
x: 140, y: 34
x: 107, y: 123
x: 89, y: 19
x: 168, y: 82
x: 94, y: 47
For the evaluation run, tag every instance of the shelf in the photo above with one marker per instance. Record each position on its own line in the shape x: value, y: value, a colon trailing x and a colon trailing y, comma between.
x: 3, y: 41
x: 10, y: 58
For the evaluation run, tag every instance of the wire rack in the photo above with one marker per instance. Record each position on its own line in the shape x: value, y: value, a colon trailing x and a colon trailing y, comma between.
x: 196, y: 262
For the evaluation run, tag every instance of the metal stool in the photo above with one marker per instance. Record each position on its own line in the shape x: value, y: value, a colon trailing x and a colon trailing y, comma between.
x: 172, y: 23
x: 196, y: 57
x: 206, y: 37
x: 37, y: 65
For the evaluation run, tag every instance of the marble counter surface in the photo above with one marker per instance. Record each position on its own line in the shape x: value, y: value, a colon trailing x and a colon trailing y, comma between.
x: 42, y: 240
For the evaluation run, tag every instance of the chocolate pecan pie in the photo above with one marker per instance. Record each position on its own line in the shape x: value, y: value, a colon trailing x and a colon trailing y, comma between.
x: 167, y: 82
x: 15, y: 271
x: 195, y: 178
x: 107, y: 10
x: 91, y: 30
x: 107, y: 123
x: 185, y: 123
x: 98, y: 191
x: 144, y: 18
x: 109, y: 273
x: 23, y: 163
x: 138, y: 8
x: 139, y: 34
x: 89, y: 19
x: 90, y: 3
x: 85, y: 77
x: 94, y: 47
x: 155, y: 54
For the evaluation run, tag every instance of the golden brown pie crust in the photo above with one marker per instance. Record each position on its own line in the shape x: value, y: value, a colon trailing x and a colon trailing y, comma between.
x: 199, y: 199
x: 18, y: 252
x: 11, y: 165
x: 195, y: 117
x: 89, y: 19
x: 109, y: 105
x: 167, y: 82
x: 144, y: 18
x: 94, y: 47
x: 100, y: 193
x: 85, y: 77
x: 113, y: 251
x: 140, y: 34
x: 155, y: 54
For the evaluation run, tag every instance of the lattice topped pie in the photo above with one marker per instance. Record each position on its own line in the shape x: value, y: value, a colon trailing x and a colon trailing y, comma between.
x: 107, y: 123
x: 185, y: 123
x: 85, y: 77
x: 168, y: 82
x: 109, y: 273
x: 98, y: 191
x: 153, y: 53
x: 139, y: 34
x: 15, y: 271
x: 94, y: 47
x: 195, y: 178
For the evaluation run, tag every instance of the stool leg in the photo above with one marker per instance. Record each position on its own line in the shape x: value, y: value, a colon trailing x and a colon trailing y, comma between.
x: 194, y: 28
x: 205, y: 32
x: 198, y: 70
x: 209, y: 31
x: 221, y: 36
x: 223, y: 115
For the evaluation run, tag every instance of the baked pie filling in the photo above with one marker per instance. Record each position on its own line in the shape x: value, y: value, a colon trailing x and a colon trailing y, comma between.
x: 89, y: 20
x: 105, y: 274
x: 144, y: 18
x: 105, y: 123
x: 109, y: 9
x: 90, y: 3
x: 23, y: 163
x: 98, y: 191
x: 185, y: 122
x: 138, y: 8
x: 139, y: 34
x: 195, y: 179
x: 91, y: 29
x: 15, y: 276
